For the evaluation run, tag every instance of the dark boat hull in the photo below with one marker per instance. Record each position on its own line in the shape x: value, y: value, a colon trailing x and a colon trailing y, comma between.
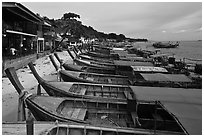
x: 161, y: 45
x: 58, y: 112
x: 88, y: 69
x: 68, y: 76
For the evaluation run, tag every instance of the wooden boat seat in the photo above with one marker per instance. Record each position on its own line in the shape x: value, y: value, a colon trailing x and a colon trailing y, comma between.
x: 78, y: 113
x: 127, y: 95
x: 83, y: 91
x: 89, y: 78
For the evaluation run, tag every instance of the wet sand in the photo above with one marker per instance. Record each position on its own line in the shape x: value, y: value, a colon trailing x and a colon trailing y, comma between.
x: 44, y: 68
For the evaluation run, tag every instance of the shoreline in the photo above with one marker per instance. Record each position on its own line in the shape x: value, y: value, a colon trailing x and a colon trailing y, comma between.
x: 45, y: 69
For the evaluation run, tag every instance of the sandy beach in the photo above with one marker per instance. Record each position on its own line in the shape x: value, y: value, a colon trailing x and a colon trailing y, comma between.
x: 44, y: 68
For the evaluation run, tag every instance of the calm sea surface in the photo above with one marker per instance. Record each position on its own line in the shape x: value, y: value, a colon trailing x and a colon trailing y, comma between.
x: 186, y: 49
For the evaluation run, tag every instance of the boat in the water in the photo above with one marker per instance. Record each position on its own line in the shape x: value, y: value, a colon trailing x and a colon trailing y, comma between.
x: 149, y: 116
x: 165, y: 44
x: 84, y: 90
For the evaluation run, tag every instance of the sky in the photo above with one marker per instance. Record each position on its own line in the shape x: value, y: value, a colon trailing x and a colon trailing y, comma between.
x: 160, y: 21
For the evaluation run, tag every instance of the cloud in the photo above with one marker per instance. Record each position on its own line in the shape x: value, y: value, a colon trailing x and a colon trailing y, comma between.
x: 180, y: 31
x: 188, y: 22
x: 133, y: 19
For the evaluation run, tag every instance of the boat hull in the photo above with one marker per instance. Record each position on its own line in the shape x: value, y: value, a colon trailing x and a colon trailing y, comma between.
x: 69, y: 76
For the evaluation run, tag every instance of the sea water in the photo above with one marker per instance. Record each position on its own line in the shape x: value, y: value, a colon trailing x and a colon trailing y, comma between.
x: 186, y: 49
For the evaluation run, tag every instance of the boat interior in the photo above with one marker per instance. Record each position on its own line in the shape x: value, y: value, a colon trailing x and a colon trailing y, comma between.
x: 133, y: 114
x: 105, y: 91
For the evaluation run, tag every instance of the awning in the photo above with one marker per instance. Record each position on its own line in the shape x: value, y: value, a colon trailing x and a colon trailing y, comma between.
x: 132, y: 63
x: 20, y: 33
x: 165, y: 77
x: 154, y: 77
x: 159, y: 55
x: 177, y: 77
x: 22, y: 11
x: 185, y: 104
x: 149, y: 69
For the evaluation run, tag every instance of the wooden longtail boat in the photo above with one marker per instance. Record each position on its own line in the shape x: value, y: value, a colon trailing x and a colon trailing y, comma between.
x: 165, y: 45
x: 90, y: 61
x: 115, y: 66
x: 70, y: 129
x: 165, y: 80
x: 65, y: 129
x: 73, y: 67
x: 118, y: 56
x: 84, y: 90
x: 73, y: 76
x: 121, y: 69
x: 137, y: 79
x: 99, y: 54
x: 148, y: 117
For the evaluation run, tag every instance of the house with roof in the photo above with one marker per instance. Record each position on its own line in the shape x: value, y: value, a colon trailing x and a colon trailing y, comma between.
x: 22, y: 34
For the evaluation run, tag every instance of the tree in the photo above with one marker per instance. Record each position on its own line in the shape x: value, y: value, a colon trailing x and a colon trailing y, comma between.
x: 70, y: 16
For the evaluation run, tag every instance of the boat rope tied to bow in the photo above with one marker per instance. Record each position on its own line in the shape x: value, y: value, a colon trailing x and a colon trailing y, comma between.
x: 23, y: 96
x: 58, y: 74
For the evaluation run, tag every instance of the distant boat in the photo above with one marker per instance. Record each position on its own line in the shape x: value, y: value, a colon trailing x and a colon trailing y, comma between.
x: 165, y: 45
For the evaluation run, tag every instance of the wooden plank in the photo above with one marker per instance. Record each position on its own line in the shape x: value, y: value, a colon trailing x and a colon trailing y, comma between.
x: 75, y: 113
x: 83, y: 91
x: 82, y: 114
x: 79, y: 113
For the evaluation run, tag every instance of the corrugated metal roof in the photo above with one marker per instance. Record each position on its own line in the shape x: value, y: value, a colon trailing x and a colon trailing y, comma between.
x: 185, y: 104
x: 166, y: 77
x: 21, y: 10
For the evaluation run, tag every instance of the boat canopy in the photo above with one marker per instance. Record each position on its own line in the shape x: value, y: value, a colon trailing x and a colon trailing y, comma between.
x: 85, y: 56
x: 131, y: 63
x: 126, y: 54
x: 185, y: 104
x: 84, y: 61
x: 149, y: 69
x: 159, y: 55
x: 118, y: 49
x: 165, y: 77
